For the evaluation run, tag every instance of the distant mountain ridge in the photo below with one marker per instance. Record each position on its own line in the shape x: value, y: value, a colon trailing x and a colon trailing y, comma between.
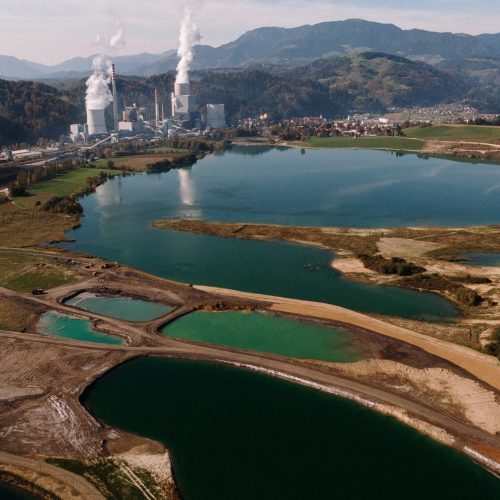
x: 289, y: 46
x: 75, y: 68
x: 296, y: 46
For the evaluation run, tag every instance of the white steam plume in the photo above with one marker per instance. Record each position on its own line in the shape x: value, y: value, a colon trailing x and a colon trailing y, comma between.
x: 117, y: 41
x: 190, y: 34
x: 98, y: 93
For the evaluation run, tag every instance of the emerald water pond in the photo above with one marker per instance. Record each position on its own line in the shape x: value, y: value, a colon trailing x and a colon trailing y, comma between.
x: 67, y: 327
x: 259, y: 332
x: 238, y: 434
x: 124, y: 308
x: 320, y: 188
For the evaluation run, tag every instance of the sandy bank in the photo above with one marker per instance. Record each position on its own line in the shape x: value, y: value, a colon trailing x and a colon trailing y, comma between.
x: 485, y: 368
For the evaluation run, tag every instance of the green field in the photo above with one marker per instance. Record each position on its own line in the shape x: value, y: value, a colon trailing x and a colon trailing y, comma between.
x: 167, y: 149
x: 62, y: 185
x: 22, y: 272
x: 103, y: 163
x: 392, y: 143
x: 472, y: 133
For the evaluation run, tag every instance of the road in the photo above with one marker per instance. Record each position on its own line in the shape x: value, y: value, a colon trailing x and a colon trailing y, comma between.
x: 75, y: 485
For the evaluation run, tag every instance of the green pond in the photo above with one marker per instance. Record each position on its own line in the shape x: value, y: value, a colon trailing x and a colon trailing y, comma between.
x: 124, y: 308
x: 236, y: 434
x: 258, y: 332
x: 67, y: 327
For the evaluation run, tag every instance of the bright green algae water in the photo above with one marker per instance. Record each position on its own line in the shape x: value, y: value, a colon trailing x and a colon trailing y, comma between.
x: 58, y: 325
x: 124, y: 308
x: 258, y: 332
x: 241, y: 435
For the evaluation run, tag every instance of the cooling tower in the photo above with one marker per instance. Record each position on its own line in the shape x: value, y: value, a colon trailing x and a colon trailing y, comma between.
x: 182, y: 89
x: 96, y: 121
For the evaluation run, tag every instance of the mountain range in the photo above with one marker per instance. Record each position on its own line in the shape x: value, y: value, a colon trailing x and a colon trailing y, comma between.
x: 335, y: 87
x: 287, y: 46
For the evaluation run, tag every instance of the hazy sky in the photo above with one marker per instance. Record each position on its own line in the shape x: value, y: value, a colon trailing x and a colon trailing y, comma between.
x: 51, y: 31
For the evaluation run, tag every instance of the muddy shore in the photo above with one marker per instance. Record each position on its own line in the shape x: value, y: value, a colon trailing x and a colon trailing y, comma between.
x: 46, y: 376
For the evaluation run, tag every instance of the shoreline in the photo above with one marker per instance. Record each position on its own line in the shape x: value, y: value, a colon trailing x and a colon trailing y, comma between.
x: 446, y: 153
x: 347, y: 245
x: 181, y: 350
x: 399, y: 413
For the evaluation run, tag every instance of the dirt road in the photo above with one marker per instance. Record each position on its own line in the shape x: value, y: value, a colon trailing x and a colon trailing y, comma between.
x: 56, y: 480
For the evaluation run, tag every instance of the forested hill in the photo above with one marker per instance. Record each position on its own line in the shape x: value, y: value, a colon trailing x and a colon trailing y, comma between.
x: 334, y: 87
x: 31, y: 110
x: 390, y: 80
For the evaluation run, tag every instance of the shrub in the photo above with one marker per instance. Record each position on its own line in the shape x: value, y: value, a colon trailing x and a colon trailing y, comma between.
x: 395, y: 265
x: 62, y: 205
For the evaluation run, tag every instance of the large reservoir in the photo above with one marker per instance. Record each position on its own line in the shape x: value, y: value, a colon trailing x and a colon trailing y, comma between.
x: 238, y: 434
x: 344, y: 188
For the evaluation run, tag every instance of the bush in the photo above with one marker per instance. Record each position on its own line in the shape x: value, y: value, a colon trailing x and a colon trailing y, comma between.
x: 17, y: 190
x: 395, y: 265
x: 493, y: 347
x: 468, y: 297
x: 62, y: 205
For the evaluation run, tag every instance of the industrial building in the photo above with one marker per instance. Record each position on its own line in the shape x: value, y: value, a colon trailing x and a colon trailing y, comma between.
x: 132, y: 122
x: 215, y: 116
x: 96, y: 122
x: 184, y: 108
x: 184, y: 119
x: 78, y: 132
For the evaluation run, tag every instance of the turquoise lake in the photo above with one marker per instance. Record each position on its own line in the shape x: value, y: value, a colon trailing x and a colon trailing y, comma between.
x: 259, y: 332
x: 124, y: 308
x: 73, y: 328
x: 344, y: 188
x: 241, y: 435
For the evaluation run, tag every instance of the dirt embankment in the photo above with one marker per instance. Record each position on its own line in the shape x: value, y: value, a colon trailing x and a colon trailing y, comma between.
x: 43, y: 377
x: 463, y: 149
x: 431, y: 254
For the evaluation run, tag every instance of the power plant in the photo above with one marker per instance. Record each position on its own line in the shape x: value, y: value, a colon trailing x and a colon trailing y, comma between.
x: 115, y: 99
x: 185, y: 118
x: 184, y: 109
x: 96, y: 122
x: 215, y: 116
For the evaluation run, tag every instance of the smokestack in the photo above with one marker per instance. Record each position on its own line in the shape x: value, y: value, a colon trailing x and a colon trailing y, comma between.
x: 157, y: 108
x: 115, y: 99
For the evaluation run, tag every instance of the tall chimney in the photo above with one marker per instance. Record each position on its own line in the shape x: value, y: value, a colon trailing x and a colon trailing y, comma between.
x: 115, y: 100
x: 157, y: 108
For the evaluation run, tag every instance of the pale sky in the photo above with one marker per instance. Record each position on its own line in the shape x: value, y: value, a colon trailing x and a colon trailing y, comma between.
x: 51, y: 31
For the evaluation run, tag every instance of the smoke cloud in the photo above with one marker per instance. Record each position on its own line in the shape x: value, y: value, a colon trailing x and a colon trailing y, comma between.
x: 190, y: 34
x: 117, y: 41
x: 98, y: 93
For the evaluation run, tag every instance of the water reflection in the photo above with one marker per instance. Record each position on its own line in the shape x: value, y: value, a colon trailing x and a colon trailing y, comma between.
x: 186, y: 185
x: 109, y: 193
